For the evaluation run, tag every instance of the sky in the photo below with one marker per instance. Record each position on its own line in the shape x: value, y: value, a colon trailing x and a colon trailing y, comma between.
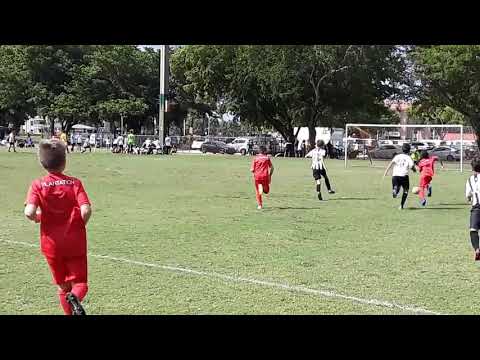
x: 152, y: 46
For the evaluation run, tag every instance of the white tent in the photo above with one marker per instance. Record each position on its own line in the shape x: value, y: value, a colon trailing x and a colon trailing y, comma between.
x: 82, y: 127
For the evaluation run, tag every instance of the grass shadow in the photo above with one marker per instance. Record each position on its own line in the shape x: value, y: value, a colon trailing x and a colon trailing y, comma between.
x: 292, y: 208
x: 434, y: 208
x: 350, y: 198
x: 455, y: 204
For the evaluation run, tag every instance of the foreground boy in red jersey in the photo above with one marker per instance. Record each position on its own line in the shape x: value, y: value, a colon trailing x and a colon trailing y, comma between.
x: 60, y: 204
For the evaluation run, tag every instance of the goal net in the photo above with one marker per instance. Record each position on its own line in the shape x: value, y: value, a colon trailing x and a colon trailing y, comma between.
x: 375, y: 145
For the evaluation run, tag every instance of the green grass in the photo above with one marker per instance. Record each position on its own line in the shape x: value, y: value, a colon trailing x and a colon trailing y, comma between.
x: 199, y: 212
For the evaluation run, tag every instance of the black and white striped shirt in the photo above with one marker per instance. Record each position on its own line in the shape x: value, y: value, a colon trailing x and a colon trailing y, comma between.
x: 472, y: 190
x: 317, y: 156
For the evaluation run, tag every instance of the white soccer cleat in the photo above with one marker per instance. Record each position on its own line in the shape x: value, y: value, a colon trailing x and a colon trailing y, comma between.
x: 259, y: 207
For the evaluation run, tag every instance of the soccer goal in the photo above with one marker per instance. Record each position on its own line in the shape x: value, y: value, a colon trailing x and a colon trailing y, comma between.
x: 375, y: 144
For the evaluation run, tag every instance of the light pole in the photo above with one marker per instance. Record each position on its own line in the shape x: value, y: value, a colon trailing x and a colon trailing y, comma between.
x: 164, y: 67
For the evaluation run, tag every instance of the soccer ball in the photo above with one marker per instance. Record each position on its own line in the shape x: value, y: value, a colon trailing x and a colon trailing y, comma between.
x: 415, y: 190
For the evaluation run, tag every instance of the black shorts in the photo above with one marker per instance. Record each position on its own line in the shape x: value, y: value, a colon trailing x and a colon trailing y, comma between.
x: 401, y: 181
x: 475, y: 219
x: 318, y: 173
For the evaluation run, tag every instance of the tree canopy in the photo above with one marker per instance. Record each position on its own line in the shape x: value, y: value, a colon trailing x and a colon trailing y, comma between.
x: 448, y: 79
x: 289, y: 86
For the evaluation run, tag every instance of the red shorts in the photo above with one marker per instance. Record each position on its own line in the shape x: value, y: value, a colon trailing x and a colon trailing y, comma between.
x: 68, y: 269
x: 425, y: 180
x: 265, y: 184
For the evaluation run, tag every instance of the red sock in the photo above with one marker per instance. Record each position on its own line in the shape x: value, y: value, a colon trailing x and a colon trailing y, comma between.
x: 80, y: 290
x: 63, y: 301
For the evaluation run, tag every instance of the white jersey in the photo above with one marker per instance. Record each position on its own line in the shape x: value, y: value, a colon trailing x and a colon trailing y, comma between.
x: 168, y: 141
x: 402, y: 163
x: 11, y: 138
x: 92, y: 139
x: 317, y: 156
x: 120, y: 140
x: 472, y: 189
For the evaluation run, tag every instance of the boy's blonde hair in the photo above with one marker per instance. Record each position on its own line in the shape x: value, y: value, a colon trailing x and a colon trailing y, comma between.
x: 52, y: 155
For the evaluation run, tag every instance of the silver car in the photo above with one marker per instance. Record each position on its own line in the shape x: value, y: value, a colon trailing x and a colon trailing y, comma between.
x: 446, y: 153
x: 386, y: 152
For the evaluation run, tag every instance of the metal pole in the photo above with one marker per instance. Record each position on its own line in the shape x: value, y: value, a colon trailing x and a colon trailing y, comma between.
x: 345, y: 144
x: 163, y: 91
x: 461, y: 148
x: 208, y: 125
x: 121, y: 125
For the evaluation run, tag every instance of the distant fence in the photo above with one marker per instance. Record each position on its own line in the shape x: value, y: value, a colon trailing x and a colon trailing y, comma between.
x: 184, y: 143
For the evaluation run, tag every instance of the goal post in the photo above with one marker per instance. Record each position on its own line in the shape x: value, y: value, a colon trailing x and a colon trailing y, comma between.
x: 372, y: 143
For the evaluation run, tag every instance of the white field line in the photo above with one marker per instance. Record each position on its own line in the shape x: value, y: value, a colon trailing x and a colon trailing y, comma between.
x: 291, y: 288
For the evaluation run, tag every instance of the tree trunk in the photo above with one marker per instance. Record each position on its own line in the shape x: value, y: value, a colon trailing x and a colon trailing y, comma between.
x: 475, y: 123
x: 52, y: 127
x: 312, y: 134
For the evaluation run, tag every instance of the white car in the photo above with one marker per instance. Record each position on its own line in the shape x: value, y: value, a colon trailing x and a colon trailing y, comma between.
x: 240, y: 145
x: 197, y: 144
x: 422, y: 145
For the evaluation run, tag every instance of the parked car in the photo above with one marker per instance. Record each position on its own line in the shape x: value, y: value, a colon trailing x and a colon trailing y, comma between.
x: 197, y: 144
x: 215, y: 147
x: 240, y: 145
x: 386, y: 152
x: 446, y: 153
x: 422, y: 145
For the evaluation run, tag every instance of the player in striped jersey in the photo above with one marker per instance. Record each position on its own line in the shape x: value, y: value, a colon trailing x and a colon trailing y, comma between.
x: 319, y: 169
x: 402, y: 164
x: 472, y: 192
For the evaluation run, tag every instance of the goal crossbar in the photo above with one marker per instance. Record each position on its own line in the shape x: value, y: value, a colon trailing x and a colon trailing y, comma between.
x: 350, y: 125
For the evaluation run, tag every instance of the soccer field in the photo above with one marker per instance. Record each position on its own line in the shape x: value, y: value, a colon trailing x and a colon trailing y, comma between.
x: 181, y: 235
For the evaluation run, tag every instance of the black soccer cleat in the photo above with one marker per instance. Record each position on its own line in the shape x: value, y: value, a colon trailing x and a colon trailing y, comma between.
x: 429, y: 194
x: 77, y: 308
x: 331, y: 191
x: 320, y: 196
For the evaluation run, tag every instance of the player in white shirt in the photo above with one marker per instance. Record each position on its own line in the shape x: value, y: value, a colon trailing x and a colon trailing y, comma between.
x: 472, y: 192
x: 318, y: 167
x: 11, y: 141
x: 402, y: 164
x: 120, y: 143
x: 92, y: 139
x: 168, y: 145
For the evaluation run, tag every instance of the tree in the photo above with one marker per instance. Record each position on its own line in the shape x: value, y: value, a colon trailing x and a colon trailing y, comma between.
x: 289, y: 86
x: 449, y: 75
x: 422, y: 113
x: 15, y: 83
x: 121, y: 108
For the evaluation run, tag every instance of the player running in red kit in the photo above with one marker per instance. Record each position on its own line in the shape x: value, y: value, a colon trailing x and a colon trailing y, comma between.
x: 262, y: 170
x: 426, y: 166
x: 60, y: 204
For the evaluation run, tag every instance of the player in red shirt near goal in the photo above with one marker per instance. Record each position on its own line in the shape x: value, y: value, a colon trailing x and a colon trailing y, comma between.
x: 426, y: 166
x: 262, y: 170
x: 60, y: 204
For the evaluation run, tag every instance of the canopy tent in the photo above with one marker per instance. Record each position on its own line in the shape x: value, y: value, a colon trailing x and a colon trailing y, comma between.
x: 82, y: 127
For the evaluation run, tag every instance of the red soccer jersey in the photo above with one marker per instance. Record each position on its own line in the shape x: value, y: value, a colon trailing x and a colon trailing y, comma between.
x: 261, y: 167
x: 427, y: 166
x: 62, y: 229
